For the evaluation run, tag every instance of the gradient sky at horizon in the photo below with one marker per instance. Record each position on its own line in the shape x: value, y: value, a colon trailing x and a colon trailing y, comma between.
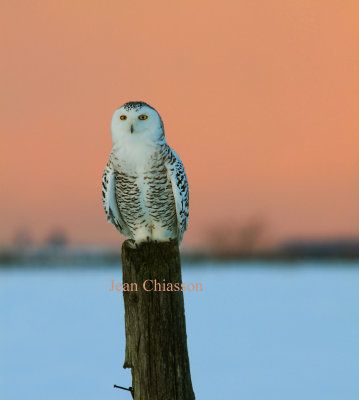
x: 259, y: 98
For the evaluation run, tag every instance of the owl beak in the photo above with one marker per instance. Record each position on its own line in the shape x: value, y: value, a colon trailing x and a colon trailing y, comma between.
x: 131, y: 128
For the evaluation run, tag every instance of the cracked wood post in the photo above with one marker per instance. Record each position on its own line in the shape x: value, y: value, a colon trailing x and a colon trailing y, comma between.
x: 156, y: 339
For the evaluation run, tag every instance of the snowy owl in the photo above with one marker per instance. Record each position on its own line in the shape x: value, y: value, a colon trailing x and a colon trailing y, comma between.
x: 144, y: 185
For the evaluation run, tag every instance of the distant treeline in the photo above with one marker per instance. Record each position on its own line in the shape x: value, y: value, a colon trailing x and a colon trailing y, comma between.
x: 303, y: 249
x: 340, y: 248
x: 97, y: 256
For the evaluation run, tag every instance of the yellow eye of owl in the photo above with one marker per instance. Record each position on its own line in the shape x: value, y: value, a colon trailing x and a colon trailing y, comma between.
x: 123, y: 117
x: 143, y: 116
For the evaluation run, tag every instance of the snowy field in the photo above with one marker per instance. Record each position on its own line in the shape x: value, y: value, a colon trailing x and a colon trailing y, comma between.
x: 256, y: 332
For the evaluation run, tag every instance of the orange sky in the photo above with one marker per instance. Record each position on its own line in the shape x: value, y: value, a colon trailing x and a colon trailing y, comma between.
x: 259, y: 98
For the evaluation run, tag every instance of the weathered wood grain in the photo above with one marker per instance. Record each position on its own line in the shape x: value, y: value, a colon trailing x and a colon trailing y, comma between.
x: 156, y: 340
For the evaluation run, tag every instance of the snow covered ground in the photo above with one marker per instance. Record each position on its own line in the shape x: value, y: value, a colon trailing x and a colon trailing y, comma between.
x: 256, y: 332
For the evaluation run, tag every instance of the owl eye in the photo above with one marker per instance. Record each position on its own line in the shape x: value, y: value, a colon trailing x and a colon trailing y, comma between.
x: 123, y: 117
x: 143, y: 116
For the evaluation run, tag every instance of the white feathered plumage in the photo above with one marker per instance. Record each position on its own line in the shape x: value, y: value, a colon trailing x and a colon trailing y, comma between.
x: 144, y: 185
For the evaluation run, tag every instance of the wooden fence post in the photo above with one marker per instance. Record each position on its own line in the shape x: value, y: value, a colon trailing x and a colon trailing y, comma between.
x: 156, y: 340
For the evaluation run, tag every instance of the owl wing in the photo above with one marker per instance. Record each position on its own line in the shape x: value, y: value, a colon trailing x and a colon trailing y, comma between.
x: 180, y: 192
x: 109, y: 200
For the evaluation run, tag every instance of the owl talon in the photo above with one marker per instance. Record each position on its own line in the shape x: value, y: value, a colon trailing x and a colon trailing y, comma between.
x: 131, y: 244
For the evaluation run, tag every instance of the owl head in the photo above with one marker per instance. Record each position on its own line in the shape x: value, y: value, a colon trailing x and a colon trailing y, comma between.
x: 136, y: 121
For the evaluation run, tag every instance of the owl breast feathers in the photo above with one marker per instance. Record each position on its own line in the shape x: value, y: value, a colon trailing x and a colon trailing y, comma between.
x: 144, y: 185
